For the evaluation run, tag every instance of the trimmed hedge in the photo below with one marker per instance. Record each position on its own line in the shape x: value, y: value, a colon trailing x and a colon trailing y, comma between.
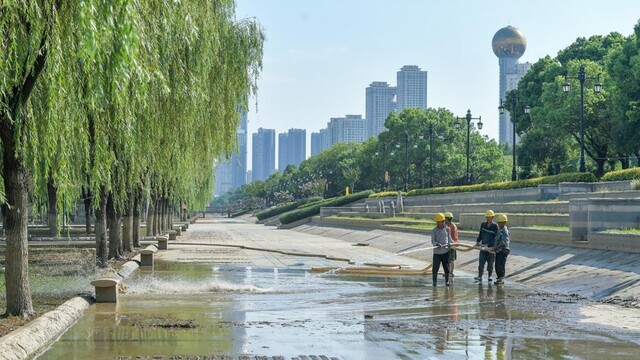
x: 241, y: 212
x: 386, y: 194
x: 277, y: 210
x: 619, y: 175
x: 308, y: 211
x: 506, y: 185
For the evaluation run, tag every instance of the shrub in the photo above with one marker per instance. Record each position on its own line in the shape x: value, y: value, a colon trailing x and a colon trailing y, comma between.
x: 619, y: 175
x: 277, y: 210
x: 635, y: 184
x: 298, y: 214
x: 506, y: 185
x: 241, y: 212
x: 386, y: 194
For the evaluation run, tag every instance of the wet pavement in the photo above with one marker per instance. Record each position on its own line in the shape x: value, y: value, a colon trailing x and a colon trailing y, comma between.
x: 212, y: 301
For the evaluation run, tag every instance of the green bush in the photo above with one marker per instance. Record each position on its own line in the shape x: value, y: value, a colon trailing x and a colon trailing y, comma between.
x: 619, y: 175
x: 281, y: 209
x: 298, y: 214
x: 386, y: 194
x: 506, y: 185
x: 241, y: 212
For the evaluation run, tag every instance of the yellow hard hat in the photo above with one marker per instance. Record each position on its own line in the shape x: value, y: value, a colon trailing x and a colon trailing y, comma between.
x: 448, y: 215
x: 489, y: 213
x: 439, y: 217
x: 502, y: 218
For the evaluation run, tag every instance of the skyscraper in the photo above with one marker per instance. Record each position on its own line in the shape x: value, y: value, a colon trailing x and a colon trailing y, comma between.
x: 509, y: 44
x: 264, y: 154
x: 239, y: 159
x: 292, y: 148
x: 411, y: 88
x: 380, y: 99
x: 319, y: 141
x: 350, y: 128
x: 231, y: 173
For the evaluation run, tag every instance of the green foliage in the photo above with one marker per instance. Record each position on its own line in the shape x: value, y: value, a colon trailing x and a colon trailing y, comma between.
x: 386, y: 194
x: 277, y: 210
x: 506, y: 185
x: 240, y: 213
x: 618, y: 175
x: 308, y: 211
x: 550, y: 135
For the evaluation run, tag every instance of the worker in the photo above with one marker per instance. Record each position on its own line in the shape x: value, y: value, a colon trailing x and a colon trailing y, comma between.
x: 441, y: 240
x: 502, y: 247
x: 453, y: 230
x: 485, y: 241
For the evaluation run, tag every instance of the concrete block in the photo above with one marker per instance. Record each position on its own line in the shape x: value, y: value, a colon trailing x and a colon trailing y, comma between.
x: 172, y: 235
x: 106, y: 289
x: 616, y: 242
x: 162, y: 242
x: 579, y: 219
x: 146, y: 257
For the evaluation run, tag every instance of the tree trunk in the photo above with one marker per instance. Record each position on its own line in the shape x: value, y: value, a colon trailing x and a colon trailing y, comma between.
x: 156, y: 216
x: 165, y: 222
x: 127, y: 224
x: 115, y: 229
x: 52, y: 218
x: 150, y: 218
x: 88, y: 210
x: 101, y: 228
x: 15, y: 219
x: 135, y: 234
x: 171, y: 214
x: 160, y: 214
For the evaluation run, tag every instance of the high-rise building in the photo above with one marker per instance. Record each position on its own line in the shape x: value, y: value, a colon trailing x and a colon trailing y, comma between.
x: 380, y: 102
x: 350, y: 128
x: 411, y: 88
x: 319, y: 141
x: 509, y: 44
x: 239, y: 159
x: 264, y: 154
x: 223, y: 177
x: 292, y: 148
x: 231, y: 173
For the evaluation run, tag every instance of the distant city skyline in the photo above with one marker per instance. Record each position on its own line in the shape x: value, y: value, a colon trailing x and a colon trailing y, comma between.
x: 315, y: 68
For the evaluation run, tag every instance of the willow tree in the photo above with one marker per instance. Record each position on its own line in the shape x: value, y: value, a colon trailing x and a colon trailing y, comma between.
x: 92, y: 56
x: 203, y: 64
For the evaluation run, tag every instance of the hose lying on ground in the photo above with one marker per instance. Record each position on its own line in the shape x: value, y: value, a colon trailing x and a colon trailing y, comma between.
x: 290, y: 253
x: 373, y: 269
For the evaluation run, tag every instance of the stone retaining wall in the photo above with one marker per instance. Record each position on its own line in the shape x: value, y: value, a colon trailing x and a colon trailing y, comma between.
x: 593, y: 215
x: 551, y: 207
x: 517, y: 220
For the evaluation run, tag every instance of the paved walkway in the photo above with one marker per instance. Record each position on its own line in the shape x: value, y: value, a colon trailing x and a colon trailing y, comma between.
x: 609, y: 276
x: 596, y: 274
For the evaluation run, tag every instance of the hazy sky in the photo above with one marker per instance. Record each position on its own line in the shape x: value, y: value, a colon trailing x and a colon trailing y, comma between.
x: 321, y: 55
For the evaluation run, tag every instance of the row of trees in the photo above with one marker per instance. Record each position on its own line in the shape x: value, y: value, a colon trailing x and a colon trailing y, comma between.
x: 113, y: 101
x: 404, y: 151
x: 550, y: 134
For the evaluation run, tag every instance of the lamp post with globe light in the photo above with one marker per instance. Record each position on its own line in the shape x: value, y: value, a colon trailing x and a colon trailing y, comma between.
x: 566, y: 87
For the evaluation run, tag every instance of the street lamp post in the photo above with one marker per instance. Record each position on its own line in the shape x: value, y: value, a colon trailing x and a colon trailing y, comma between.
x: 406, y: 162
x: 513, y: 112
x: 431, y: 155
x: 469, y: 118
x: 385, y: 176
x: 566, y: 87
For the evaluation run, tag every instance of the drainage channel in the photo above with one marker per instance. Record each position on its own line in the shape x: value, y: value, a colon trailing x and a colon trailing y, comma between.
x: 203, y: 311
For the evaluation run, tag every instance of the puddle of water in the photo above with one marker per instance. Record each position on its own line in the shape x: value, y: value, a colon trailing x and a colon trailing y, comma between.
x: 196, y: 309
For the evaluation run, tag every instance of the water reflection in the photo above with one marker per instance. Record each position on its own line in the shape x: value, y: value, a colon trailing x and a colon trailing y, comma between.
x: 290, y: 312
